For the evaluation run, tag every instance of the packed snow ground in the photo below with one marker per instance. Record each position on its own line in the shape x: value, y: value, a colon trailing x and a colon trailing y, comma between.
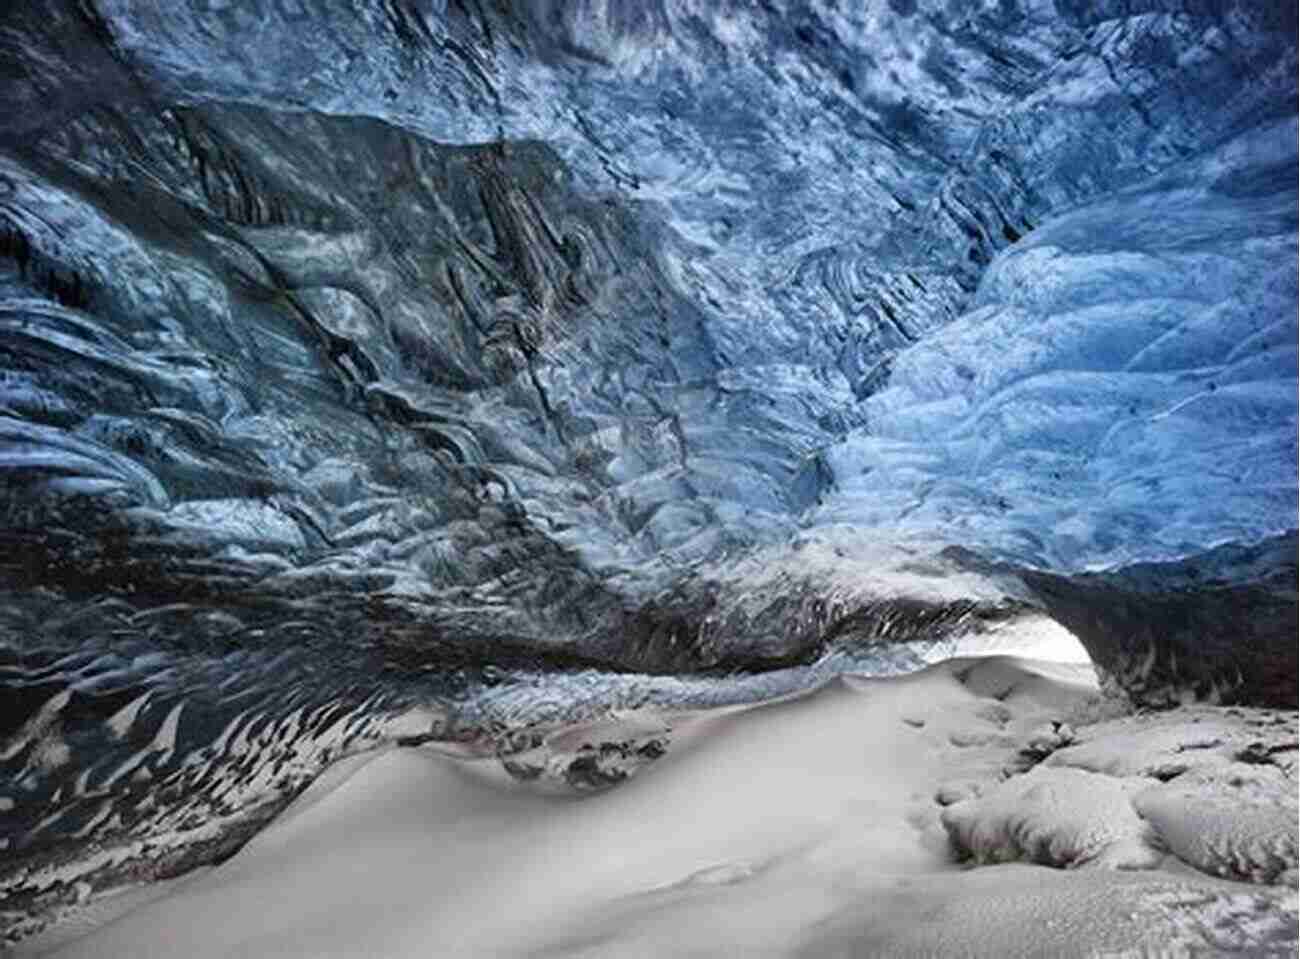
x: 844, y: 822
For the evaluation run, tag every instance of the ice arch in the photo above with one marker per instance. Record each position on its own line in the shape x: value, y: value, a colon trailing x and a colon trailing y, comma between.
x: 352, y: 359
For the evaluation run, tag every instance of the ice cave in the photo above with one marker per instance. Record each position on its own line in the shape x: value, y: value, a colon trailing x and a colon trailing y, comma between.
x: 648, y: 478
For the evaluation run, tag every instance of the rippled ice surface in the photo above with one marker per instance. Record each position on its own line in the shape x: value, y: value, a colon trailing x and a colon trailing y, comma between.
x: 451, y: 370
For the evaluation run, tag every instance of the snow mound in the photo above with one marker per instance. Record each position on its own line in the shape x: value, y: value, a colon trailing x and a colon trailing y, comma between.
x: 1230, y: 832
x: 1017, y: 681
x: 1190, y: 741
x: 1055, y: 817
x: 1223, y: 798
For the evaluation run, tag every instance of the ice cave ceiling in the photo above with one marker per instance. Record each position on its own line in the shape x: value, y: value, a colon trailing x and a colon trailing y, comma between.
x: 346, y: 347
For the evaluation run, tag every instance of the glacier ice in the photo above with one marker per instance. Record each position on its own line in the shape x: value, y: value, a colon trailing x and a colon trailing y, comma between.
x: 355, y: 362
x: 1122, y: 389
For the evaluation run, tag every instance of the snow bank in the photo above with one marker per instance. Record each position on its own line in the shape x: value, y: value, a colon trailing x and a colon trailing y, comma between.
x: 810, y: 826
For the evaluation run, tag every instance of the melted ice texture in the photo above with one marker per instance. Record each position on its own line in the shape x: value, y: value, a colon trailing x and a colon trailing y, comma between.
x: 1123, y: 386
x: 343, y: 348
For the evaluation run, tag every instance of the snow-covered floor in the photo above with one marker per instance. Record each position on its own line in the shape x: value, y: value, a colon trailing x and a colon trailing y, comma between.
x: 823, y: 825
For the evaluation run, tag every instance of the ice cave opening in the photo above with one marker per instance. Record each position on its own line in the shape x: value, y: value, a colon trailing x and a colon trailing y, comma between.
x: 1034, y: 637
x: 507, y: 400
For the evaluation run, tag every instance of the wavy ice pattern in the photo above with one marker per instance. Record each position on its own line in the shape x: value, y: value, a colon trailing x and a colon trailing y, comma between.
x: 1122, y: 389
x: 438, y: 370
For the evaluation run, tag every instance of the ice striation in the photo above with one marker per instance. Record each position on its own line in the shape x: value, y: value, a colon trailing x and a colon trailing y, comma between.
x: 458, y: 370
